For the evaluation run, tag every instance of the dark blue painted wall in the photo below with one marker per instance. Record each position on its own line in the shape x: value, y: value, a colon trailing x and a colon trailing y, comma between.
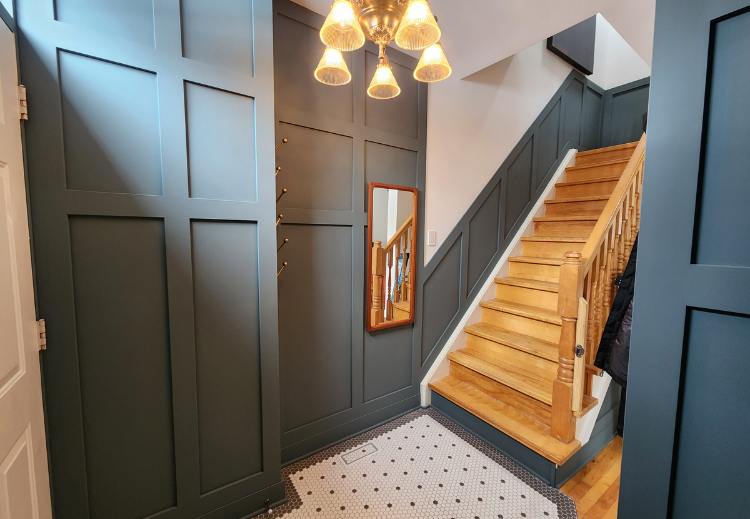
x: 686, y: 422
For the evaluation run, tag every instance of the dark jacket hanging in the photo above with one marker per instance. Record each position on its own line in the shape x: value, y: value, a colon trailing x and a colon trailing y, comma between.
x: 614, y: 347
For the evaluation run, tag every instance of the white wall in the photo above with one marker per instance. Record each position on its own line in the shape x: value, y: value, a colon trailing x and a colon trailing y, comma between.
x: 473, y: 123
x: 615, y: 61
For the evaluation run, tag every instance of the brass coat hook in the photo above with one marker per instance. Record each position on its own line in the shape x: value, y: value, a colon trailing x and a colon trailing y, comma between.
x: 282, y: 269
x: 283, y: 192
x: 283, y: 242
x: 279, y: 218
x: 283, y: 141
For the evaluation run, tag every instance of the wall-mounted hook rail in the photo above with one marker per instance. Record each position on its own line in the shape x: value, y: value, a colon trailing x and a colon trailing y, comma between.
x: 279, y: 218
x: 283, y: 242
x: 283, y: 141
x: 283, y: 192
x: 282, y: 269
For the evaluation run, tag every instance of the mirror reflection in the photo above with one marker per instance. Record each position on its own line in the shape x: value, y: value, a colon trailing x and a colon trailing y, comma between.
x: 392, y: 232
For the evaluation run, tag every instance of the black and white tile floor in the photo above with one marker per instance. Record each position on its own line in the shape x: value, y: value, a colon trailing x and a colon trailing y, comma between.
x: 420, y: 466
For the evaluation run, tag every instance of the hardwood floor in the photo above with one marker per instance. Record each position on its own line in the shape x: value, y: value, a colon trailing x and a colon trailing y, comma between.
x: 596, y: 487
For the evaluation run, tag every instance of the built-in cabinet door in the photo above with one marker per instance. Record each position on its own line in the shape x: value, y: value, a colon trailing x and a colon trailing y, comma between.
x: 24, y: 480
x: 150, y: 152
x: 688, y: 404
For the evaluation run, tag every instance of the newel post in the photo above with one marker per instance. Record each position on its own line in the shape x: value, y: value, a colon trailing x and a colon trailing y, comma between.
x: 376, y: 285
x: 563, y: 421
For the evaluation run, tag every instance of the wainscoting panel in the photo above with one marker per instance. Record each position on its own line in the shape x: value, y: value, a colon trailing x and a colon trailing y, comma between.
x: 150, y: 163
x: 122, y: 333
x: 221, y: 137
x: 725, y: 186
x: 547, y: 143
x: 337, y: 379
x: 315, y: 334
x: 120, y: 153
x: 483, y: 227
x: 324, y: 156
x: 518, y: 184
x: 573, y: 112
x: 227, y: 326
x: 219, y: 33
x: 593, y: 110
x: 625, y: 112
x: 400, y: 115
x: 297, y: 50
x: 133, y: 21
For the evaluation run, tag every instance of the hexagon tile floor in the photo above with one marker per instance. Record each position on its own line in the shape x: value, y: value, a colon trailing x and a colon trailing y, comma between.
x: 419, y: 466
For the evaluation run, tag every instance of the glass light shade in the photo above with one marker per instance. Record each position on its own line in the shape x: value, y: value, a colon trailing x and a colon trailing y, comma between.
x: 332, y: 69
x: 418, y: 29
x: 383, y: 84
x: 341, y: 30
x: 433, y: 65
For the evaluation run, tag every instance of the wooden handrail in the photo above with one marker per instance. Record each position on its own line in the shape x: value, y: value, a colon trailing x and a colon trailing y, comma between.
x: 399, y: 232
x: 587, y: 286
x: 610, y: 211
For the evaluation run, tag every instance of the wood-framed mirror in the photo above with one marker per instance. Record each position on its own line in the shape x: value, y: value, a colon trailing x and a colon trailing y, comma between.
x: 391, y: 255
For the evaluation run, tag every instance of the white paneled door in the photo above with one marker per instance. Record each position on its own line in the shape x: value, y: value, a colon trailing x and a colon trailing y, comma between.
x: 24, y: 478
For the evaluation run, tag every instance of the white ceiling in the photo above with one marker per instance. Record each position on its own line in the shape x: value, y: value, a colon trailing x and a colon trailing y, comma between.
x: 479, y: 33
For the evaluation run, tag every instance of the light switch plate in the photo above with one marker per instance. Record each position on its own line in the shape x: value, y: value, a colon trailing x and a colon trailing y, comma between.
x: 431, y: 238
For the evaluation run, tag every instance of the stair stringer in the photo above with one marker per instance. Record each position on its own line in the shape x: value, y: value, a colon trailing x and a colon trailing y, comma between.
x: 440, y: 365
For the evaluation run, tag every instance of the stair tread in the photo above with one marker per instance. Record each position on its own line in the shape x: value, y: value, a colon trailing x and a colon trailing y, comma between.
x: 532, y: 345
x: 608, y: 148
x: 527, y: 430
x: 532, y: 312
x: 516, y: 377
x: 537, y: 260
x: 534, y: 284
x: 610, y: 178
x: 569, y: 218
x: 565, y: 239
x: 589, y: 198
x: 609, y: 162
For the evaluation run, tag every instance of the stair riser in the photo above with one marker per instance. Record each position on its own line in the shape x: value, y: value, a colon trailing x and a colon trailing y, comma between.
x: 523, y: 325
x: 490, y: 385
x: 588, y: 208
x: 535, y: 271
x: 582, y: 229
x: 604, y: 156
x: 550, y: 249
x: 526, y: 296
x: 495, y: 352
x: 595, y: 188
x: 607, y: 170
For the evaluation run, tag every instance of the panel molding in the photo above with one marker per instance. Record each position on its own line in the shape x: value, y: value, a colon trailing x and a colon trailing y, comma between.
x: 377, y: 391
x: 40, y: 37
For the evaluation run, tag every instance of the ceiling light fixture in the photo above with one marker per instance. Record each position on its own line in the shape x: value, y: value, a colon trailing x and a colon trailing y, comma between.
x: 410, y: 23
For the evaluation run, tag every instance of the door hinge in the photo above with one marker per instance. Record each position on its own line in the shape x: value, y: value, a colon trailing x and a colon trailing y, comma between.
x: 41, y: 326
x: 23, y: 104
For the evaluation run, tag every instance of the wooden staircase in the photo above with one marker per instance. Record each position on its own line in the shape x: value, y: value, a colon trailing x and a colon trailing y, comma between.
x: 516, y: 370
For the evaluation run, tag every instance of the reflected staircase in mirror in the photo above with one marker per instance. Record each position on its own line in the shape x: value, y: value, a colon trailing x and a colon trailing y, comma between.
x: 391, y: 285
x: 525, y: 367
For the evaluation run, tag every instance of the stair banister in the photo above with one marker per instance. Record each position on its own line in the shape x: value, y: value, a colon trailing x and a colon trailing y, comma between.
x: 590, y: 275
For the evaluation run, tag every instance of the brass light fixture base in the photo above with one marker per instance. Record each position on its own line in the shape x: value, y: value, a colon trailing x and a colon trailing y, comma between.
x: 380, y: 18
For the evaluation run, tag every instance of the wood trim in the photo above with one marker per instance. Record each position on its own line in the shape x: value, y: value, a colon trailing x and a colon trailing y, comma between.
x: 371, y: 186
